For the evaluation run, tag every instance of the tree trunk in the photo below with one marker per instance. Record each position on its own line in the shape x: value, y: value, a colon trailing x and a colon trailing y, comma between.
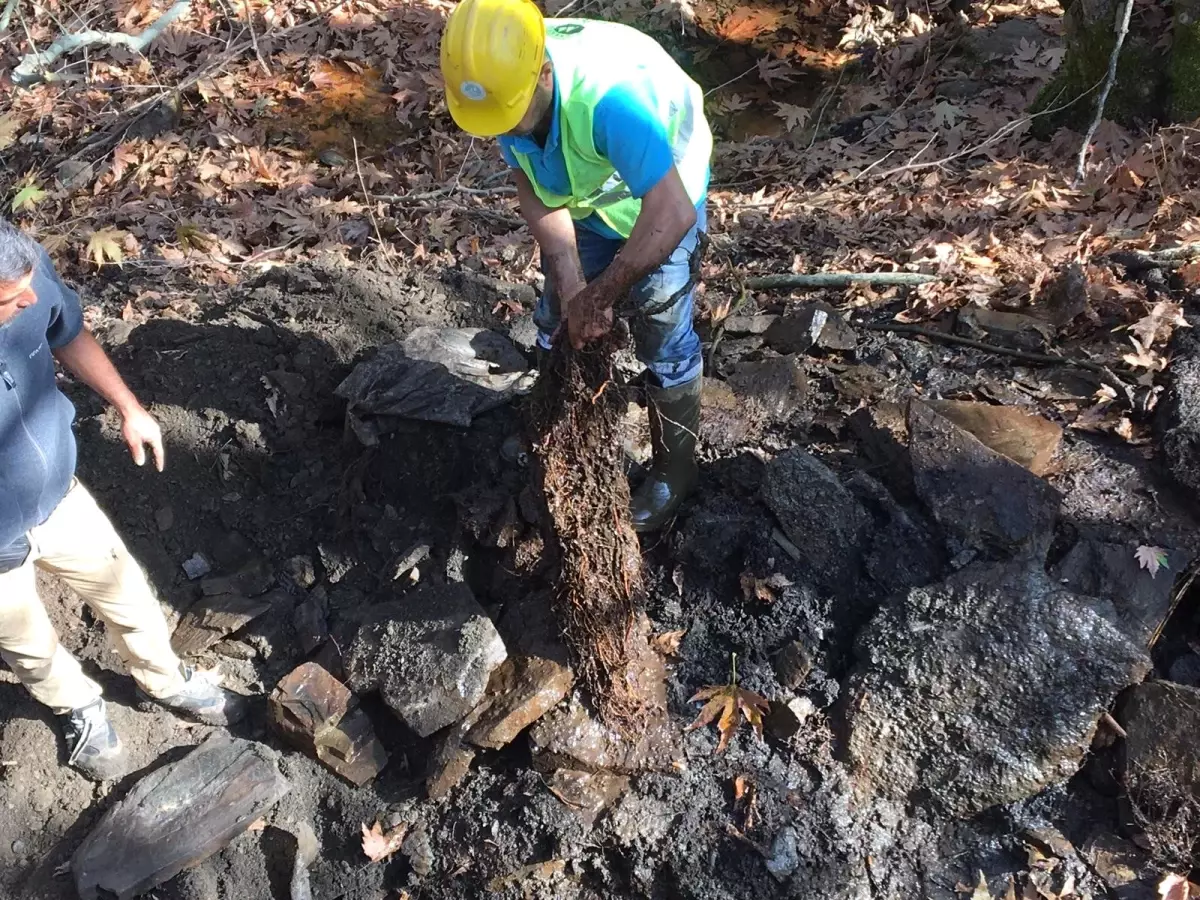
x: 1151, y: 85
x: 1185, y: 62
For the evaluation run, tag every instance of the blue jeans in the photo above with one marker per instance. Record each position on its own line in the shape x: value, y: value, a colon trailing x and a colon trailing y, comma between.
x: 665, y: 342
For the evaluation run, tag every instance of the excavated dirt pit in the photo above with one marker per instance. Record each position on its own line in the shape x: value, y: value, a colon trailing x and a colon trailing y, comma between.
x: 261, y: 465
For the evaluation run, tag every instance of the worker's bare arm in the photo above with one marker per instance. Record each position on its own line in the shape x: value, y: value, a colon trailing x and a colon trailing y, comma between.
x: 554, y: 230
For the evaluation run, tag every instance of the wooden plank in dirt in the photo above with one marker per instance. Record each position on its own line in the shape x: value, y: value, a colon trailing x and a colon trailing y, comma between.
x: 212, y: 618
x: 178, y: 816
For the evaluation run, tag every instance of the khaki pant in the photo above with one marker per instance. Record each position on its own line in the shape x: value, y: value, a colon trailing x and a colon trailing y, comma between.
x: 80, y: 545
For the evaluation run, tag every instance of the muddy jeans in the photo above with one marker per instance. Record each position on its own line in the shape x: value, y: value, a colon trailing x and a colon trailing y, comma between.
x: 665, y: 341
x: 80, y: 545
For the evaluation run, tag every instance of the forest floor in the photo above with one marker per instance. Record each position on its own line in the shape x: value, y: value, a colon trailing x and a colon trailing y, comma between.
x: 276, y: 191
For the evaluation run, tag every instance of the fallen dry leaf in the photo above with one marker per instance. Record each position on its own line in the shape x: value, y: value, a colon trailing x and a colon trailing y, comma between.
x: 755, y: 588
x: 377, y: 845
x: 725, y: 700
x: 667, y: 643
x: 105, y: 244
x: 10, y: 127
x: 1151, y: 558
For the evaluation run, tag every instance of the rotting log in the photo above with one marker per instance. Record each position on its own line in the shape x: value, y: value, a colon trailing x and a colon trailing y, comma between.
x: 575, y: 416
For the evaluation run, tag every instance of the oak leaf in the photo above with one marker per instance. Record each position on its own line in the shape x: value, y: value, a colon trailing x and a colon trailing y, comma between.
x: 377, y: 845
x: 725, y: 701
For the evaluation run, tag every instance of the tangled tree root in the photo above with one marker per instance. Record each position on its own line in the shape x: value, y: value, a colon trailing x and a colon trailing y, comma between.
x: 575, y: 416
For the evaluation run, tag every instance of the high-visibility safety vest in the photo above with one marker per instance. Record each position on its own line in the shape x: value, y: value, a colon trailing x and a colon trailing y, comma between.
x: 589, y: 58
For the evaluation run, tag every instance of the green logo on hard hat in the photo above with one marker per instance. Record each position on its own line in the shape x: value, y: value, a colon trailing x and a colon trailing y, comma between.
x: 565, y: 30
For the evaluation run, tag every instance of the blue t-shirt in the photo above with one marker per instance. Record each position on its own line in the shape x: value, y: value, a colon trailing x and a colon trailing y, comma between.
x: 37, y: 446
x: 625, y: 130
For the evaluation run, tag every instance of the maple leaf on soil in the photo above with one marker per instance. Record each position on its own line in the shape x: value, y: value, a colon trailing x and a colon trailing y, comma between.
x: 1151, y: 558
x: 106, y: 244
x: 27, y: 197
x: 377, y: 845
x: 725, y: 700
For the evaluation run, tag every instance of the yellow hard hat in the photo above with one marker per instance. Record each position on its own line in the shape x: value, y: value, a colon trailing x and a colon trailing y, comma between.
x: 492, y: 54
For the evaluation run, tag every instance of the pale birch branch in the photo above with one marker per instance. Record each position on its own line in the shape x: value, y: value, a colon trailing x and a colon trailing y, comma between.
x: 32, y: 66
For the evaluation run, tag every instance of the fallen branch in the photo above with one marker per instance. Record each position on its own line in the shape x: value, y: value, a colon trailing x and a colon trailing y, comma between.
x: 29, y: 70
x: 1042, y: 359
x: 836, y: 279
x: 1139, y: 260
x: 6, y: 17
x: 446, y: 192
x: 1109, y: 80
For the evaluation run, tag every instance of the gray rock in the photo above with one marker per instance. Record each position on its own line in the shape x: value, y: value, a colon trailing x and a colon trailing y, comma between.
x: 784, y: 856
x: 817, y: 325
x: 984, y: 500
x: 1111, y: 572
x: 983, y: 689
x: 336, y: 562
x: 1179, y: 419
x: 902, y: 553
x: 1186, y: 670
x: 778, y: 386
x: 743, y: 325
x: 1162, y: 720
x: 299, y: 572
x: 430, y: 655
x: 196, y: 567
x: 817, y: 513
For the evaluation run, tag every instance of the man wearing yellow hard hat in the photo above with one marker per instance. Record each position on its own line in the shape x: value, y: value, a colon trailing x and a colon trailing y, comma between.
x: 610, y: 150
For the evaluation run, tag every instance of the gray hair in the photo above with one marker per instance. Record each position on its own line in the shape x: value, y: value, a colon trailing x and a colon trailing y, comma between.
x: 19, y: 253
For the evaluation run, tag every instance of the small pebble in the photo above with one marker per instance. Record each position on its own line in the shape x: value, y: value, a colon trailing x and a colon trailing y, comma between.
x: 164, y: 518
x: 18, y: 847
x: 196, y: 567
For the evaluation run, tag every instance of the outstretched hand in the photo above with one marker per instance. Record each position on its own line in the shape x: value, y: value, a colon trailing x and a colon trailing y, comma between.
x: 139, y: 429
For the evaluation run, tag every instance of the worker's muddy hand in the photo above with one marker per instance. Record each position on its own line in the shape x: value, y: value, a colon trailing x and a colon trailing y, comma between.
x: 589, y: 316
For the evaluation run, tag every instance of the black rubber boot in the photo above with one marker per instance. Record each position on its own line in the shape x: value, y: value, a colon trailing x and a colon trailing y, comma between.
x: 674, y: 426
x: 92, y: 743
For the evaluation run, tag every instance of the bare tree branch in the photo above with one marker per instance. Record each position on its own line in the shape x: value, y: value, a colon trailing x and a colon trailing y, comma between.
x: 1109, y: 80
x: 837, y: 279
x: 32, y: 66
x: 6, y: 16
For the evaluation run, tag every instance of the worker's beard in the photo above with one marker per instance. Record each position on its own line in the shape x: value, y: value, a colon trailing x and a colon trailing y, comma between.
x: 540, y: 113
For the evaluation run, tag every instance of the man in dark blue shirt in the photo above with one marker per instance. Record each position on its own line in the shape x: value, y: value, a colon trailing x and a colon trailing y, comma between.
x: 49, y: 521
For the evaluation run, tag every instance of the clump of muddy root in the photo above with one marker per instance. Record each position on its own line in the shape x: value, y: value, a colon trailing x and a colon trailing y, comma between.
x: 574, y: 419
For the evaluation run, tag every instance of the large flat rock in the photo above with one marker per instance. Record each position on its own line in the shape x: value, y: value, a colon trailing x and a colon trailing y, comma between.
x: 1023, y: 437
x: 983, y: 689
x: 980, y: 497
x: 178, y: 816
x: 430, y: 655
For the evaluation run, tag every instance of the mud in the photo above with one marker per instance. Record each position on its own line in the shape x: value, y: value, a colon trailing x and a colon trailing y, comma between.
x: 260, y: 466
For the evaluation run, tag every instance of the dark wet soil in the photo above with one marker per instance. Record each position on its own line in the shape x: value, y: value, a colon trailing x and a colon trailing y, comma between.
x: 261, y: 465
